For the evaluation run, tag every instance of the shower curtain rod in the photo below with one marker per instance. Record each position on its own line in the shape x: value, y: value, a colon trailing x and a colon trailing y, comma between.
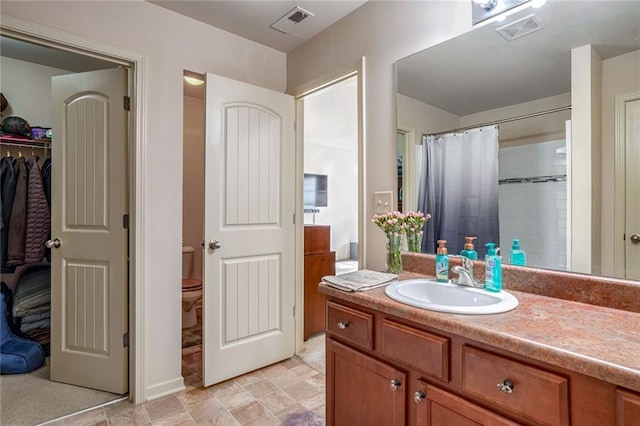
x: 504, y: 120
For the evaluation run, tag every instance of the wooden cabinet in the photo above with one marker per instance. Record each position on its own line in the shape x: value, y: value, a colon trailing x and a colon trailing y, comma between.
x: 363, y: 391
x: 516, y: 387
x: 436, y: 407
x: 447, y: 379
x: 627, y: 408
x: 319, y: 261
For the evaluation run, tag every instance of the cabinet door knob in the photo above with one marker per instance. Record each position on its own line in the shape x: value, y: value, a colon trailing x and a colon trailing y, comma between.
x: 343, y: 324
x: 395, y: 384
x: 506, y: 386
x: 419, y: 396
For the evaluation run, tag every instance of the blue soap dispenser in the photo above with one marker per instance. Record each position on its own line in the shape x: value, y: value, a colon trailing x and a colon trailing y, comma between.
x: 442, y: 262
x: 493, y: 269
x: 517, y: 256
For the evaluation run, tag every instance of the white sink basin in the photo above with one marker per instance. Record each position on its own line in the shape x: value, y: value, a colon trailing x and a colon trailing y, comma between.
x: 452, y: 298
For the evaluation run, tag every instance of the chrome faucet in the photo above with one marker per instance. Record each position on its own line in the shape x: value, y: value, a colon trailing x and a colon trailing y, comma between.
x: 465, y: 273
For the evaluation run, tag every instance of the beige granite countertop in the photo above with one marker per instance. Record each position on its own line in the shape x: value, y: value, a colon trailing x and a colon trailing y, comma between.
x: 592, y: 340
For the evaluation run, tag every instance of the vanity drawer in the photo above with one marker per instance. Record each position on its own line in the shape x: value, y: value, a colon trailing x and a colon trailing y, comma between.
x: 351, y: 325
x: 537, y: 395
x: 423, y: 351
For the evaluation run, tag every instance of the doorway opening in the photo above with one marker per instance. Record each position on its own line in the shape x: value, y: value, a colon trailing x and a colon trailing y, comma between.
x: 330, y: 175
x: 27, y: 71
x: 192, y: 222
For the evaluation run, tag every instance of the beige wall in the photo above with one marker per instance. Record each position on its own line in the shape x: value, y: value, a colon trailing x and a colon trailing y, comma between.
x: 193, y: 179
x: 172, y: 44
x: 382, y: 32
x: 542, y: 128
x: 27, y: 87
x: 620, y: 76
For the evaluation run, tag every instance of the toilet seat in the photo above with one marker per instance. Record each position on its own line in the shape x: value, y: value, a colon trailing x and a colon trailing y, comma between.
x: 191, y: 284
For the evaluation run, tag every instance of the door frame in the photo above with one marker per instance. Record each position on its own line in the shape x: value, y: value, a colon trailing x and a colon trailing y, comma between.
x: 409, y: 186
x: 136, y: 64
x: 620, y: 181
x: 357, y: 70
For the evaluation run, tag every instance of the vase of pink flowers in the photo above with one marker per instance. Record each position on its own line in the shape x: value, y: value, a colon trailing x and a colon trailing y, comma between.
x: 414, y: 227
x: 393, y: 225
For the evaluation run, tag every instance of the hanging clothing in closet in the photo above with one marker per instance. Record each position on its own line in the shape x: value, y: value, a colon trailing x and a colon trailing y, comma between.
x: 26, y: 213
x: 38, y: 215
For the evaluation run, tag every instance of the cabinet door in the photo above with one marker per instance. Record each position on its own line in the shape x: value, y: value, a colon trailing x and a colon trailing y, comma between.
x: 628, y: 407
x: 362, y: 390
x: 316, y: 266
x: 436, y: 407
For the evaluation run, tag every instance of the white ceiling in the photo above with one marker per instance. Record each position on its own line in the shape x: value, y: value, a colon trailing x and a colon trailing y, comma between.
x: 252, y: 19
x: 480, y: 70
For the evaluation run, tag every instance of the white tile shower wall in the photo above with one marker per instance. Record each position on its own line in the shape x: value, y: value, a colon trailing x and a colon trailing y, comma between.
x: 535, y: 213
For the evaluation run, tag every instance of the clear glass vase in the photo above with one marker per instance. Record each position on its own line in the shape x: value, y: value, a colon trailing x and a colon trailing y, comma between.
x: 394, y: 259
x: 414, y: 242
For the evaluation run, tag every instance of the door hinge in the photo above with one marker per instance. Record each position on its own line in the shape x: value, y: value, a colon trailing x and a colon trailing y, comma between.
x: 294, y: 311
x: 295, y: 123
x: 125, y: 340
x: 125, y: 221
x: 294, y: 218
x: 127, y: 103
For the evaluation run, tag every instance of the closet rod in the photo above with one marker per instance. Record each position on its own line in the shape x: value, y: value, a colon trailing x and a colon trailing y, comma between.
x: 504, y: 120
x: 44, y: 145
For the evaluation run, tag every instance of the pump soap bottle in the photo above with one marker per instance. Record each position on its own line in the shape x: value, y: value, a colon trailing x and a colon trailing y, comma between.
x: 493, y: 269
x: 469, y: 251
x: 517, y: 256
x: 442, y: 262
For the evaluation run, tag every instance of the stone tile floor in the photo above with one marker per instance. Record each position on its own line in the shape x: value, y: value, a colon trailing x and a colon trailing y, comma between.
x: 288, y: 393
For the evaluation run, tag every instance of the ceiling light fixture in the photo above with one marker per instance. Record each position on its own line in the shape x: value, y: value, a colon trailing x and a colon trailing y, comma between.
x: 486, y: 4
x: 193, y: 81
x: 538, y: 3
x: 193, y: 78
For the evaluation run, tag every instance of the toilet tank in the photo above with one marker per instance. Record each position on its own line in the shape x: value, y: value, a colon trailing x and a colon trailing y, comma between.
x: 187, y: 261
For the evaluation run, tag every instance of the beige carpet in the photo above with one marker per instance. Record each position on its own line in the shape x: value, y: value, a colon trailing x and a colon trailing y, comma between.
x: 30, y: 399
x: 313, y: 353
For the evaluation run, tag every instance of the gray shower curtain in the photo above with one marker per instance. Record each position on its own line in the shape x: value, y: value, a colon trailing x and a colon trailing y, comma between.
x: 459, y: 188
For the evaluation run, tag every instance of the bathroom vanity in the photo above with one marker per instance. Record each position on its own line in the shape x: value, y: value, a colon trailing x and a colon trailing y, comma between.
x: 550, y: 361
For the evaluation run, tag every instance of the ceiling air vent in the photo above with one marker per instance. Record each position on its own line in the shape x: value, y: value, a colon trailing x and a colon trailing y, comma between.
x: 522, y: 27
x: 291, y: 20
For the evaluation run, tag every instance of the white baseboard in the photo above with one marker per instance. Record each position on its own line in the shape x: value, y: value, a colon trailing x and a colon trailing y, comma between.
x: 163, y: 389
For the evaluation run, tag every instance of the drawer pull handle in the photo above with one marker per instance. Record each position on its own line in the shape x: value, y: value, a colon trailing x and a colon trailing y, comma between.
x: 343, y: 324
x: 506, y: 386
x: 395, y: 384
x: 419, y: 396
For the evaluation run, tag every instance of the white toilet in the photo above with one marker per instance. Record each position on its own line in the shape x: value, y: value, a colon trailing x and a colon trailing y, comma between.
x: 191, y: 289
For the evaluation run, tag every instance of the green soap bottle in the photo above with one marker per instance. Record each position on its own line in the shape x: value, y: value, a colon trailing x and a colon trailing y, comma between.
x: 442, y: 262
x: 469, y: 250
x: 517, y: 256
x: 493, y: 269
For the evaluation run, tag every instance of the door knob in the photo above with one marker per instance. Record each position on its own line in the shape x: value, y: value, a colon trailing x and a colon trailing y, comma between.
x: 55, y: 243
x: 635, y: 238
x: 214, y: 245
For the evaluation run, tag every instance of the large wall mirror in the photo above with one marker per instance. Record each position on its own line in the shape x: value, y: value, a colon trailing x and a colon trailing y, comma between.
x: 562, y: 85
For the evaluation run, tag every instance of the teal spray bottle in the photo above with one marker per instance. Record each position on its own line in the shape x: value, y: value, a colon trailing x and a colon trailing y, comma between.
x: 493, y: 269
x: 517, y: 256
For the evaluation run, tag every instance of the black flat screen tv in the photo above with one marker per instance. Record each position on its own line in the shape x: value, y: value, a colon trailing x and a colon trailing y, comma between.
x: 315, y: 190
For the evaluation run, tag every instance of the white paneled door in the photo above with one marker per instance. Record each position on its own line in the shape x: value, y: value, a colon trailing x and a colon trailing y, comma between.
x: 89, y: 256
x: 248, y: 318
x: 632, y: 185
